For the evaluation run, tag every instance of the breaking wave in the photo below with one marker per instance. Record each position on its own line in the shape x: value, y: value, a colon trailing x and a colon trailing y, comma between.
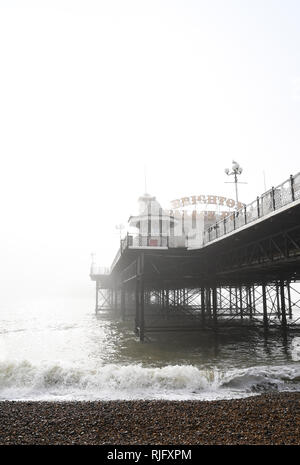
x: 25, y: 381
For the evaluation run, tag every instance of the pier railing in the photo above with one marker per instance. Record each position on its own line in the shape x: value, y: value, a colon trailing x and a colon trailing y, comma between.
x: 272, y: 200
x: 138, y: 240
x: 123, y: 245
x: 97, y: 270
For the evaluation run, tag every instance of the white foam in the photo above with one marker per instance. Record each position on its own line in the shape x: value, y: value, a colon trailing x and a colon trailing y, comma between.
x: 55, y: 381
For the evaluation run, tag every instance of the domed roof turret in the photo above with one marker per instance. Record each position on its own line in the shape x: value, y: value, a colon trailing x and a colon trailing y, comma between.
x: 148, y: 203
x: 149, y: 206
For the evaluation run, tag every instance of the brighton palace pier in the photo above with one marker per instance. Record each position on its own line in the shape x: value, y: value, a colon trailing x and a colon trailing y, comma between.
x: 206, y: 263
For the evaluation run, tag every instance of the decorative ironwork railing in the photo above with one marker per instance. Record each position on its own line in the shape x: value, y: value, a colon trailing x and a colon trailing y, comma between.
x: 137, y: 240
x: 123, y: 245
x: 270, y: 201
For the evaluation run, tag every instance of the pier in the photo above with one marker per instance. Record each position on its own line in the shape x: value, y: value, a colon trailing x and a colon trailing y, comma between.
x: 240, y: 270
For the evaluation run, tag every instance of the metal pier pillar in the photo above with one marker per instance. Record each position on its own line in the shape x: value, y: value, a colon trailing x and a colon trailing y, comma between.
x: 253, y: 300
x: 277, y: 300
x: 249, y: 295
x: 230, y: 300
x: 137, y: 306
x: 265, y: 310
x: 282, y: 298
x: 215, y: 304
x: 142, y: 310
x: 241, y: 302
x: 167, y: 299
x: 202, y: 303
x: 97, y: 290
x: 289, y: 300
x: 123, y: 303
x: 140, y: 298
x: 208, y: 301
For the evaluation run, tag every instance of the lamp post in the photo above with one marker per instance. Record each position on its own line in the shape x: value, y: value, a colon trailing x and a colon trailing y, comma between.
x: 236, y: 170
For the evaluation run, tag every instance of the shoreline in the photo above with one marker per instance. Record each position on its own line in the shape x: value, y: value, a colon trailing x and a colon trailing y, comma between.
x: 267, y: 419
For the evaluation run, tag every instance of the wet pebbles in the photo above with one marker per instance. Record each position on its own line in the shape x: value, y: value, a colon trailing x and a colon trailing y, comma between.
x: 265, y: 419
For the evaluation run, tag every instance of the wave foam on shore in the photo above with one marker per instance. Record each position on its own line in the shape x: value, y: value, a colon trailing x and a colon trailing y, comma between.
x: 22, y: 380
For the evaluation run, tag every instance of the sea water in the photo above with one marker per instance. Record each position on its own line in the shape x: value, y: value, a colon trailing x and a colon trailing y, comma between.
x: 60, y: 350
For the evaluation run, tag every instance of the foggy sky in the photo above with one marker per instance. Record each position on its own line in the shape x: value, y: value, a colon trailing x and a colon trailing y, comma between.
x: 91, y: 91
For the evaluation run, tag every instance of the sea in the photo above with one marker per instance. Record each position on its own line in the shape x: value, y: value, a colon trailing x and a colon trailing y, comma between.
x: 60, y: 350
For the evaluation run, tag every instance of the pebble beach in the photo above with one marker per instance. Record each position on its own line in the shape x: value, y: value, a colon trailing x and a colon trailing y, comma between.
x: 269, y: 419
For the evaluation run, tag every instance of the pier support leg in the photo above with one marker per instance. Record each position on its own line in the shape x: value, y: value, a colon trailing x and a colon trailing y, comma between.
x: 241, y: 302
x: 277, y: 300
x: 208, y: 302
x: 282, y: 298
x: 142, y: 314
x: 137, y: 306
x: 265, y: 309
x: 215, y: 304
x: 113, y: 298
x: 97, y: 290
x: 250, y: 301
x: 253, y: 300
x: 123, y: 303
x: 116, y: 300
x: 167, y: 299
x: 289, y: 300
x: 203, y: 304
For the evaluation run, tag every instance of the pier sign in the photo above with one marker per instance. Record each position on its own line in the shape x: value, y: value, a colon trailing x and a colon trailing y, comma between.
x: 205, y: 200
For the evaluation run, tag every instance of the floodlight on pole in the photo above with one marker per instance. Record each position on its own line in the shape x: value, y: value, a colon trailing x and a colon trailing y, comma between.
x: 236, y: 170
